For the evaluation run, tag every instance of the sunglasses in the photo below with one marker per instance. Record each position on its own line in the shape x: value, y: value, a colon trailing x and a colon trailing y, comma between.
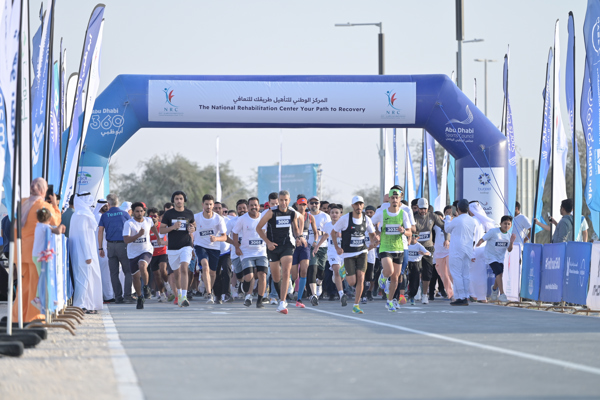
x: 314, y: 203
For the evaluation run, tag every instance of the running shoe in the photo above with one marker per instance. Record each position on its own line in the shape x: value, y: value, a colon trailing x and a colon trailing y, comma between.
x: 402, y: 299
x: 344, y: 300
x: 424, y: 299
x: 356, y: 310
x: 228, y: 298
x: 282, y: 308
x: 369, y: 296
x: 248, y: 300
x: 396, y: 305
x: 503, y: 298
x: 387, y: 287
x: 211, y: 299
x: 147, y: 292
x: 390, y: 306
x: 184, y: 302
x: 259, y: 304
x: 299, y: 304
x: 382, y: 280
x: 412, y: 301
x: 171, y: 297
x: 314, y: 300
x: 265, y: 300
x: 176, y: 301
x: 495, y: 293
x: 273, y: 302
x: 363, y: 300
x: 140, y: 303
x: 343, y: 272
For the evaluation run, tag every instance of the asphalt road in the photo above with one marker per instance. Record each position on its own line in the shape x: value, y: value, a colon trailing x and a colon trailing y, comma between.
x: 422, y: 352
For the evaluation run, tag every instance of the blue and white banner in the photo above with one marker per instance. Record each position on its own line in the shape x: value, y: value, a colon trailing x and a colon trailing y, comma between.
x: 511, y: 196
x: 591, y: 36
x: 593, y: 296
x: 39, y: 92
x: 512, y: 273
x: 553, y: 261
x: 63, y: 89
x: 546, y: 147
x: 24, y: 157
x: 577, y: 272
x: 451, y: 178
x: 422, y: 169
x: 440, y: 200
x: 54, y: 167
x: 531, y: 271
x: 431, y: 167
x: 75, y: 129
x: 47, y: 280
x: 561, y: 143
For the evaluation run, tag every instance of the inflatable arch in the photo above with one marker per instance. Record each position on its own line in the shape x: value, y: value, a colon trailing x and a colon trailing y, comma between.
x: 432, y: 102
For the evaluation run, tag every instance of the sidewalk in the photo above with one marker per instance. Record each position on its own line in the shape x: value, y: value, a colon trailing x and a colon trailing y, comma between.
x: 63, y: 366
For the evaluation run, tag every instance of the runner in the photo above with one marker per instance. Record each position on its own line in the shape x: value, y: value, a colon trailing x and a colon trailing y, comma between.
x: 210, y: 231
x: 301, y: 256
x: 236, y: 261
x: 394, y: 225
x: 252, y: 251
x: 136, y: 235
x: 325, y: 206
x: 416, y: 251
x: 178, y: 222
x: 281, y: 237
x: 373, y: 262
x: 425, y: 220
x: 316, y: 265
x: 352, y: 228
x: 158, y: 265
x: 273, y: 202
x: 334, y: 259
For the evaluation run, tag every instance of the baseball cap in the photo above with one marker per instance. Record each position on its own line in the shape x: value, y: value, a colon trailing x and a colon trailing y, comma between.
x: 423, y: 203
x: 394, y: 191
x: 314, y: 198
x: 302, y: 200
x: 267, y: 206
x: 357, y: 199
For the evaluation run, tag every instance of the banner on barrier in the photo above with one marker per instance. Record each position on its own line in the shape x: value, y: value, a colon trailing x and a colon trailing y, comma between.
x: 593, y: 296
x: 282, y: 102
x: 553, y: 261
x: 577, y: 272
x: 530, y: 276
x: 512, y: 273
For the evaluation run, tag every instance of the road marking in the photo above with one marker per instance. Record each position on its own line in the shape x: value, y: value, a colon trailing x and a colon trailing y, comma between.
x: 127, y: 382
x: 533, y: 357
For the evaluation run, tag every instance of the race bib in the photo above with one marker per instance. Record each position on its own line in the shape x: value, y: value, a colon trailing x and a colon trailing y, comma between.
x: 206, y: 233
x: 154, y: 243
x: 183, y: 226
x: 140, y: 240
x: 283, y: 221
x: 305, y: 234
x: 255, y: 242
x: 339, y: 240
x: 501, y: 244
x: 424, y: 236
x: 392, y: 229
x: 357, y: 241
x: 413, y: 253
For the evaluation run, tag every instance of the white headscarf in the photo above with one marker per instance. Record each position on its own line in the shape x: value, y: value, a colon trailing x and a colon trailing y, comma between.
x: 101, y: 203
x: 481, y: 216
x: 125, y: 206
x: 83, y: 206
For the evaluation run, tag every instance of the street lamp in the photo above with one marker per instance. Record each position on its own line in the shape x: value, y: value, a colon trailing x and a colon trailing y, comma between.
x: 459, y: 60
x: 381, y: 147
x: 485, y: 61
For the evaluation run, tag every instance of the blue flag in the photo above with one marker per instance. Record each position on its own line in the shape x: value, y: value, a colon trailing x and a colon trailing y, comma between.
x: 511, y: 197
x: 54, y: 167
x: 591, y: 35
x: 39, y: 91
x: 546, y: 146
x: 431, y: 167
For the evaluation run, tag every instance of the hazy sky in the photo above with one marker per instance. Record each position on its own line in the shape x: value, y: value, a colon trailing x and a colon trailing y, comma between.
x: 299, y: 38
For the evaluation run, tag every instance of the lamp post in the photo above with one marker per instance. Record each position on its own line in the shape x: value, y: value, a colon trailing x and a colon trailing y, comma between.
x: 485, y: 61
x: 381, y: 139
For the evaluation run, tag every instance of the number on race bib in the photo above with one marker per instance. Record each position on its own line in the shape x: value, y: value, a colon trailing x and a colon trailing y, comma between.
x: 140, y: 240
x: 424, y: 236
x: 255, y: 242
x: 392, y: 229
x: 357, y: 241
x: 206, y: 233
x: 283, y: 221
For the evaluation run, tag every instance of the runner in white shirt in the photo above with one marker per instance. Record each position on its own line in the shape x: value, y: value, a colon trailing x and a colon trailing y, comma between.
x: 136, y: 234
x: 210, y: 231
x: 316, y: 265
x: 498, y: 240
x: 335, y: 260
x: 228, y: 260
x: 371, y: 263
x: 252, y: 251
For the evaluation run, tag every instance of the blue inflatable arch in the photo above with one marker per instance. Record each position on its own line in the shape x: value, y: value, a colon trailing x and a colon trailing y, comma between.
x: 432, y: 102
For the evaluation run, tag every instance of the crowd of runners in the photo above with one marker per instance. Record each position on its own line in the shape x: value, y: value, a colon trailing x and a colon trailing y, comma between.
x: 301, y: 251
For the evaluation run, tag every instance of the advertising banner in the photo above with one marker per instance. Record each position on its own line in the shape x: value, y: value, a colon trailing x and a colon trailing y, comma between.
x: 512, y: 273
x: 593, y: 296
x: 90, y: 179
x: 577, y: 272
x: 486, y: 186
x: 531, y: 271
x: 281, y: 102
x: 296, y: 179
x: 553, y: 261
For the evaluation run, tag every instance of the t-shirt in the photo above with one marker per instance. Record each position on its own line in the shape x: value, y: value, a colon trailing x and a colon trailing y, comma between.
x: 251, y: 244
x: 226, y: 247
x: 113, y: 221
x: 521, y: 225
x: 207, y: 227
x: 407, y: 211
x: 320, y: 220
x: 180, y: 238
x: 462, y: 229
x: 413, y: 252
x: 496, y: 245
x: 342, y: 225
x: 141, y: 244
x: 330, y: 246
x: 439, y: 250
x: 39, y: 240
x: 583, y: 227
x: 65, y: 220
x: 378, y: 218
x: 158, y: 250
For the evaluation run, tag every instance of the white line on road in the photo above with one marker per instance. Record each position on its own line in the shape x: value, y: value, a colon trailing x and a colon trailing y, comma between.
x: 129, y: 388
x: 560, y: 363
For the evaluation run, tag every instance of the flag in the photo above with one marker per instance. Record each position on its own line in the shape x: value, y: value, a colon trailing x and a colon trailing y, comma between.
x: 545, y: 146
x: 440, y: 201
x: 451, y: 178
x: 511, y: 196
x: 280, y: 156
x: 54, y: 168
x: 63, y: 86
x: 39, y: 93
x: 409, y: 185
x: 423, y: 169
x: 389, y: 163
x: 431, y: 167
x: 396, y: 172
x: 24, y: 157
x: 76, y: 131
x: 218, y: 191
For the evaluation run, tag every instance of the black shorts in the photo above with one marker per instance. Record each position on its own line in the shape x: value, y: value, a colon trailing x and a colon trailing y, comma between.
x: 282, y: 250
x: 497, y: 268
x: 211, y: 256
x: 156, y: 260
x: 396, y: 257
x: 134, y: 262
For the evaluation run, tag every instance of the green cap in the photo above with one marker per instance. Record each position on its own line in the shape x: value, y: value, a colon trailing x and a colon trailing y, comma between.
x: 395, y: 191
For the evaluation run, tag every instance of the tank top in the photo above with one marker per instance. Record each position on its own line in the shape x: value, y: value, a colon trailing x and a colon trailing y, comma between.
x: 391, y: 238
x: 279, y: 227
x: 353, y: 237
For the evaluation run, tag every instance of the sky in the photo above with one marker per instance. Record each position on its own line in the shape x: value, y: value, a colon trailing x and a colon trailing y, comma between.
x: 299, y: 38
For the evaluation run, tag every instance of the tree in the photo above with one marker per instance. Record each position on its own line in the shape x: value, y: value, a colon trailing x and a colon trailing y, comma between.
x: 160, y: 176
